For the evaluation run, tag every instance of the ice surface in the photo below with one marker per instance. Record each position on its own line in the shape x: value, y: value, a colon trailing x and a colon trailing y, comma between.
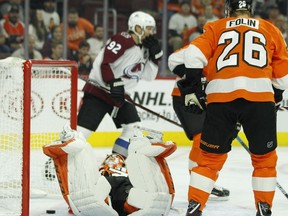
x: 235, y: 176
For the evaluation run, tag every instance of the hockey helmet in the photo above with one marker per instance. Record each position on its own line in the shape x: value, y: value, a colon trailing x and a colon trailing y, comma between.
x: 113, y: 165
x: 143, y: 20
x: 231, y: 6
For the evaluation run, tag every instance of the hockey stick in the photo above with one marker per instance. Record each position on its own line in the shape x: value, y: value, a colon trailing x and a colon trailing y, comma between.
x: 92, y: 82
x: 130, y: 100
x: 247, y: 149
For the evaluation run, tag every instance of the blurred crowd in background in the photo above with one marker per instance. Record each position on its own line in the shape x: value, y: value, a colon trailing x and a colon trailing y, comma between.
x: 85, y: 29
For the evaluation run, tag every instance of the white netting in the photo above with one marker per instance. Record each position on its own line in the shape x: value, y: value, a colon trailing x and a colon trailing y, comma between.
x: 11, y: 127
x: 50, y: 110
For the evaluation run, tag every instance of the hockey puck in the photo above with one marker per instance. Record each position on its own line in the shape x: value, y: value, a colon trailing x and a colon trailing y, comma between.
x: 50, y: 211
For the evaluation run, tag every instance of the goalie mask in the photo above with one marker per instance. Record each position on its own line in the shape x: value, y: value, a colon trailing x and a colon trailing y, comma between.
x: 143, y: 20
x: 231, y: 6
x: 113, y: 165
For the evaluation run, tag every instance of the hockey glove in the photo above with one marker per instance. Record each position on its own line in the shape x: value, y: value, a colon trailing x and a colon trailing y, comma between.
x: 278, y: 97
x: 152, y: 44
x: 117, y: 92
x: 193, y: 94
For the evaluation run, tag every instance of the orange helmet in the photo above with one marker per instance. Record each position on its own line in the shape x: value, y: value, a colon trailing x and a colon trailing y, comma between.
x: 113, y: 165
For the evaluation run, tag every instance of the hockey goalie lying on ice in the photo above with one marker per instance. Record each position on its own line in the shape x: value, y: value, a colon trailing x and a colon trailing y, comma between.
x: 147, y: 190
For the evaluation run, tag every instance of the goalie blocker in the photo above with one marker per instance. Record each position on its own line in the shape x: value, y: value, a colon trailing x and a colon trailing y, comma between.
x: 148, y: 190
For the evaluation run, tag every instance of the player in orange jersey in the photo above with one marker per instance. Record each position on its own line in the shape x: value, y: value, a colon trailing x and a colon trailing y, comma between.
x: 244, y: 58
x: 192, y: 124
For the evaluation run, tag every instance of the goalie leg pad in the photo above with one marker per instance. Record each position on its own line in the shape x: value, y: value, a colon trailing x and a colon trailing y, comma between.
x: 82, y: 186
x: 149, y: 203
x: 92, y: 202
x: 152, y: 190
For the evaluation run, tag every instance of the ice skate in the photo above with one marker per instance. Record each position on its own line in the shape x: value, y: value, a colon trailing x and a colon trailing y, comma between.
x: 219, y: 194
x: 193, y: 209
x: 263, y: 209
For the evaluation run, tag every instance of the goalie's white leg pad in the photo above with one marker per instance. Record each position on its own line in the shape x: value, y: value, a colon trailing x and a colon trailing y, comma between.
x: 82, y: 186
x: 86, y: 132
x: 91, y: 202
x: 150, y: 192
x: 145, y: 173
x: 149, y: 203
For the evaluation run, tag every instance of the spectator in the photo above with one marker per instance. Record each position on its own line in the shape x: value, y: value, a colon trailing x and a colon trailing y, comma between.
x: 273, y: 13
x: 83, y: 58
x: 3, y: 46
x: 56, y: 51
x: 50, y: 16
x: 37, y: 28
x: 79, y: 29
x: 96, y: 42
x: 32, y: 52
x: 57, y: 34
x: 173, y: 6
x: 12, y: 28
x: 5, y: 8
x: 194, y: 32
x: 178, y: 24
x: 281, y: 24
x: 282, y: 4
x: 209, y: 14
x: 217, y: 6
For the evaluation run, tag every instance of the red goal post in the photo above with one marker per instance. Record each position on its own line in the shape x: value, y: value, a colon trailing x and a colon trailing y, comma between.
x: 37, y: 98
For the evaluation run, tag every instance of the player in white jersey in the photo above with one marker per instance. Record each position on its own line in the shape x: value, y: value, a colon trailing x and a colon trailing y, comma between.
x: 126, y: 58
x: 147, y: 191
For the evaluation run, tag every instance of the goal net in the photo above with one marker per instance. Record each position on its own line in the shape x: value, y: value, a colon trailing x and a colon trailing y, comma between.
x: 37, y: 98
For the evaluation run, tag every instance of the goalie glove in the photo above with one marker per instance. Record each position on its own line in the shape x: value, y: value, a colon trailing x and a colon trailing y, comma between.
x: 152, y: 44
x: 117, y: 92
x: 193, y: 93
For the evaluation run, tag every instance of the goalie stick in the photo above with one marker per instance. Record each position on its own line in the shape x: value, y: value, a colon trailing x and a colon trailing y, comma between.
x: 130, y: 100
x: 247, y: 149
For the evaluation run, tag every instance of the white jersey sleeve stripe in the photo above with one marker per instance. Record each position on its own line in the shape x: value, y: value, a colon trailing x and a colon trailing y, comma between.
x: 281, y: 83
x: 194, y: 58
x: 175, y: 59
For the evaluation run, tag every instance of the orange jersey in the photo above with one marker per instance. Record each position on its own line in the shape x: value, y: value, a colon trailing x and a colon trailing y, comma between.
x: 79, y: 33
x: 10, y: 29
x: 244, y: 56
